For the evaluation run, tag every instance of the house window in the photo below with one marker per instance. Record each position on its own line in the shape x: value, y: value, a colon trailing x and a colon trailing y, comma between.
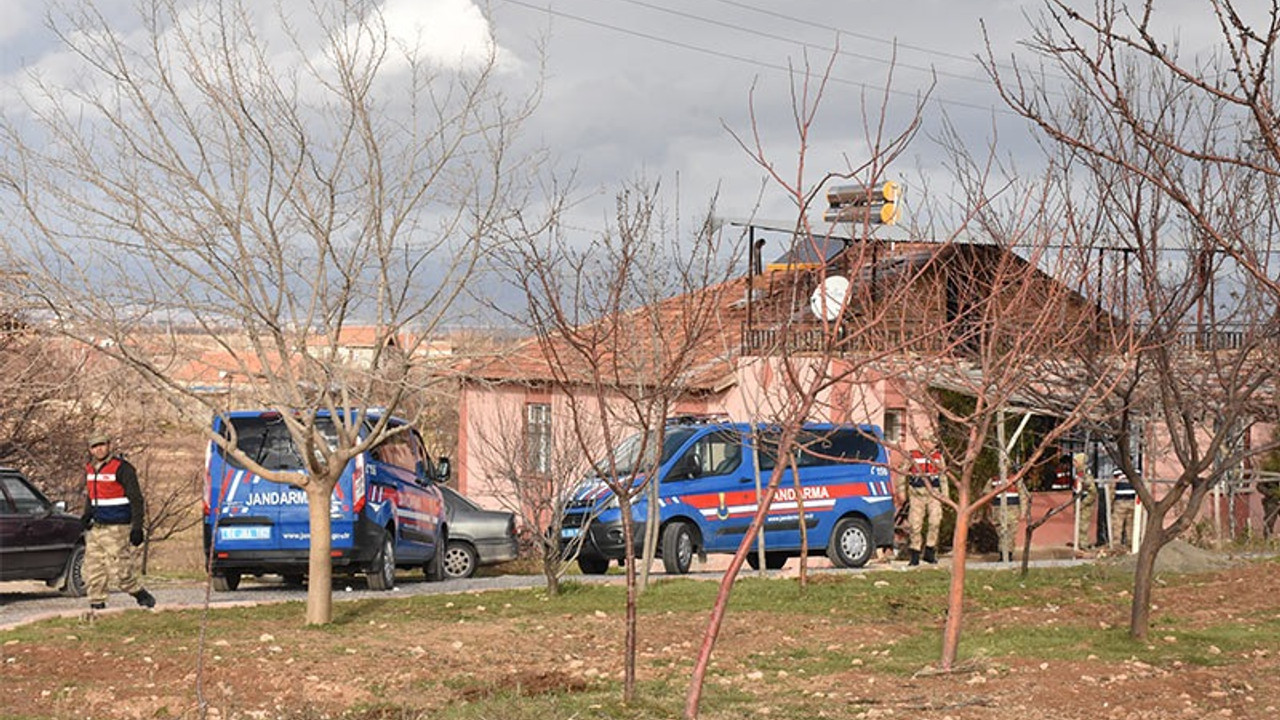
x: 537, y: 436
x: 893, y: 425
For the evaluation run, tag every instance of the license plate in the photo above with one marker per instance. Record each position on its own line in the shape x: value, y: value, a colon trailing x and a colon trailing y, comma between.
x: 568, y: 533
x: 245, y: 532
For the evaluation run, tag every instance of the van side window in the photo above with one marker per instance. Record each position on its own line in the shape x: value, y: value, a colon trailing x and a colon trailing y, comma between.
x: 717, y: 454
x: 397, y: 450
x: 838, y: 448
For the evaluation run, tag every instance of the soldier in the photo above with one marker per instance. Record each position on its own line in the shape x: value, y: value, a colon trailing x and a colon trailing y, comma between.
x: 1086, y: 492
x: 1270, y: 506
x: 1011, y: 505
x: 113, y: 515
x: 1123, y: 502
x: 925, y: 488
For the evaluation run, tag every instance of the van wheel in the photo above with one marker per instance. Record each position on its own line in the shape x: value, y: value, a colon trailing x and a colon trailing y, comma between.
x: 73, y: 585
x: 294, y: 579
x: 851, y: 543
x: 382, y: 573
x: 593, y: 565
x: 226, y: 581
x: 772, y: 560
x: 677, y: 548
x: 434, y: 569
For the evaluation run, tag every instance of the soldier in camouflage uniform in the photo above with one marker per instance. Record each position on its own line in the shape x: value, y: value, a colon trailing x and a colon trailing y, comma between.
x: 113, y: 517
x: 1124, y: 500
x: 925, y: 488
x: 1086, y: 491
x: 1010, y: 506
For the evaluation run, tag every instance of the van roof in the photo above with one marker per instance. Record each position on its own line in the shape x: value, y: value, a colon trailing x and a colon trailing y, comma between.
x: 271, y: 412
x: 811, y: 426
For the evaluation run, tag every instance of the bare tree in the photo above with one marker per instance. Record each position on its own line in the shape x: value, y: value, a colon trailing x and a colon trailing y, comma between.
x: 528, y: 484
x: 810, y: 357
x: 1177, y: 157
x: 620, y: 320
x: 268, y: 183
x: 50, y: 406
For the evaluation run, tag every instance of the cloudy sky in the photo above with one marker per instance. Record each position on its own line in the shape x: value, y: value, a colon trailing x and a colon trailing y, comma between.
x: 655, y: 89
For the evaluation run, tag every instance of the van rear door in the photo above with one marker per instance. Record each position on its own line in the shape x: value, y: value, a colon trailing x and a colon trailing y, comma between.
x: 252, y: 513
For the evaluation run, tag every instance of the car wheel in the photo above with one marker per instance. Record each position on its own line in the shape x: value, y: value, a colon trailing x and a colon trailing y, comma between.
x: 460, y: 560
x: 226, y: 581
x: 73, y: 584
x: 294, y: 579
x: 851, y: 543
x: 593, y: 565
x: 434, y: 569
x: 772, y: 560
x: 382, y: 572
x: 677, y: 548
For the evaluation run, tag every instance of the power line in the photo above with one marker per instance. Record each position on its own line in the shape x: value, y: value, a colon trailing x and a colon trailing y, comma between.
x: 824, y: 48
x: 750, y: 61
x: 851, y: 33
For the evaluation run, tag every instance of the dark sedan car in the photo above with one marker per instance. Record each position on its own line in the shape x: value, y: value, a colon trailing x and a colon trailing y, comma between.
x: 476, y: 536
x: 38, y: 539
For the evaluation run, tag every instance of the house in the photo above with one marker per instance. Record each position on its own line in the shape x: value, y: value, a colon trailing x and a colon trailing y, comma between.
x: 854, y: 312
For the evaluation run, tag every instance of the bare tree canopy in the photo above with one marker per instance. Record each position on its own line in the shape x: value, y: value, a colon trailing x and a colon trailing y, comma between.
x: 264, y: 181
x: 1168, y: 163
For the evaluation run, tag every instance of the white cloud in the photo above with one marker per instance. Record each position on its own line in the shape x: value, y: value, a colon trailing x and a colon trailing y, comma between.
x: 446, y: 31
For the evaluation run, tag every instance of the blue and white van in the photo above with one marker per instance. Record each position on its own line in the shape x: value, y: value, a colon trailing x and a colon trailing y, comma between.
x: 386, y: 510
x: 707, y: 497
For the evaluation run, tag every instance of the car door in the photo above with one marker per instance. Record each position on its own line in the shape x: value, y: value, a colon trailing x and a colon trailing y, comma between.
x: 35, y: 543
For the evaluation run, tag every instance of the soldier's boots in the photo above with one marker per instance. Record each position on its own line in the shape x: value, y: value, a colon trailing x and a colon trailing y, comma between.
x: 145, y: 599
x: 915, y: 558
x: 931, y: 556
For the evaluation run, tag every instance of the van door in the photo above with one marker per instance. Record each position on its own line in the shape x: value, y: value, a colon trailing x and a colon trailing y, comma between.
x: 397, y: 474
x: 713, y: 476
x: 251, y: 513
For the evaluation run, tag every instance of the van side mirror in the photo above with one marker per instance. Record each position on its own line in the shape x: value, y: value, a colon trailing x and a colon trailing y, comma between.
x: 442, y: 469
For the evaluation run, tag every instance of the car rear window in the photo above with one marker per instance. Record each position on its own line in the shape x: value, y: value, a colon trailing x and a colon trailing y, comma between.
x: 266, y: 440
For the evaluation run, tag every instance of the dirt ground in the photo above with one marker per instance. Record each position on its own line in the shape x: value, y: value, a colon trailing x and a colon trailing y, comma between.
x: 260, y: 674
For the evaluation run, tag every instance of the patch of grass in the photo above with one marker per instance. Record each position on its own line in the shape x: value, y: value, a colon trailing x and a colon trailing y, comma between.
x: 1216, y: 645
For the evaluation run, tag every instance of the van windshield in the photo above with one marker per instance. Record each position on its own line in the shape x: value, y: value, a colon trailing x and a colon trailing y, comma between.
x: 266, y: 440
x: 627, y: 454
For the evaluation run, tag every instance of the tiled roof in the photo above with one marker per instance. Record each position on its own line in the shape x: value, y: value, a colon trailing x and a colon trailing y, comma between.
x: 629, y: 342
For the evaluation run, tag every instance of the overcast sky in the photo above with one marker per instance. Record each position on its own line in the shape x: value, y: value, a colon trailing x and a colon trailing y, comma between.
x: 653, y: 88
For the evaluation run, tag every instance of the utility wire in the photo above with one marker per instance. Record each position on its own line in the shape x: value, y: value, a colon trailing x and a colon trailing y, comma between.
x: 810, y: 46
x: 750, y: 61
x: 860, y: 36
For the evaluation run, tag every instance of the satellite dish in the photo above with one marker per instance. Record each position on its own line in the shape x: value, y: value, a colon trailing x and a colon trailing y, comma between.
x: 828, y: 298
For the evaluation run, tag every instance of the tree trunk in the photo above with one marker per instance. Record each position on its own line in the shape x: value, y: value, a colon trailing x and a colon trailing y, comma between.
x: 1144, y: 571
x: 721, y: 604
x: 955, y: 595
x: 629, y: 648
x: 551, y: 571
x: 319, y: 565
x: 650, y: 530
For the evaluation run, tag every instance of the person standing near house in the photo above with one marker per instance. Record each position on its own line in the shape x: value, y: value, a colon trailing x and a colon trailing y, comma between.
x: 113, y: 514
x: 1086, y: 492
x: 1270, y: 506
x: 925, y: 488
x: 1011, y: 505
x: 1124, y: 499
